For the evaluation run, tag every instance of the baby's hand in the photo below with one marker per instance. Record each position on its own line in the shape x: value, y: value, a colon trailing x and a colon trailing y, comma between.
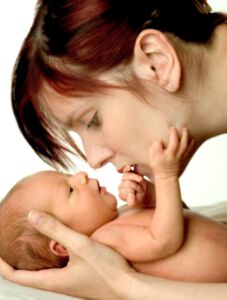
x: 136, y: 190
x: 166, y: 162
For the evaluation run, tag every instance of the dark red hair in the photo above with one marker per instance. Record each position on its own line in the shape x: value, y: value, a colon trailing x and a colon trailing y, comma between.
x: 71, y: 41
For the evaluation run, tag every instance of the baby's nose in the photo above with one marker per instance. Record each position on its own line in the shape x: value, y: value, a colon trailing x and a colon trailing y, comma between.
x: 81, y: 177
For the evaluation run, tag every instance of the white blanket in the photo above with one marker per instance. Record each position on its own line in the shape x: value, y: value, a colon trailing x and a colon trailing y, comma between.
x: 11, y: 291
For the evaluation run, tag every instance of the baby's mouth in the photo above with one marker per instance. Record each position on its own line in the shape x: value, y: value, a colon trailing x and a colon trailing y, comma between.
x: 101, y: 188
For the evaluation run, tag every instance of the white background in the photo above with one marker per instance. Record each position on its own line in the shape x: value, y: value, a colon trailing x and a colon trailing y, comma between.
x: 204, y: 182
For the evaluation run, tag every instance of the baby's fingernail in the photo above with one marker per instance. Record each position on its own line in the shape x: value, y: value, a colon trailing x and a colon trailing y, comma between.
x: 35, y: 217
x: 126, y: 168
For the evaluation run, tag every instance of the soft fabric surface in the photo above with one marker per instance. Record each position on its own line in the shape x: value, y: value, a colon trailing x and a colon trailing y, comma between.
x: 10, y: 291
x: 216, y: 211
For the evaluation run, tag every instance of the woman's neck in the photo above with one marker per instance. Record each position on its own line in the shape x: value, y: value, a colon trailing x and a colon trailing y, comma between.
x: 207, y: 87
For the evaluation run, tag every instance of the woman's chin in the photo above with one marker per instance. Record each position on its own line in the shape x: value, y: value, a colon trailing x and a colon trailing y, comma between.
x: 143, y: 170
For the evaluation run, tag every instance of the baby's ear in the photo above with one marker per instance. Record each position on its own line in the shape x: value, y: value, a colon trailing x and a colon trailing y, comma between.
x: 58, y: 249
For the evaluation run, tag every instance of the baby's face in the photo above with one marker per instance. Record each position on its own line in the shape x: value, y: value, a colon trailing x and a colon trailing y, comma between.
x: 76, y: 200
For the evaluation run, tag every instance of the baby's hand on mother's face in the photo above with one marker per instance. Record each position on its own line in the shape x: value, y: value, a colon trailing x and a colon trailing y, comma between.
x: 135, y: 189
x: 166, y: 161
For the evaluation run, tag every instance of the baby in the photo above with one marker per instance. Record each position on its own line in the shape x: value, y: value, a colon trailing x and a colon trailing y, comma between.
x: 164, y: 241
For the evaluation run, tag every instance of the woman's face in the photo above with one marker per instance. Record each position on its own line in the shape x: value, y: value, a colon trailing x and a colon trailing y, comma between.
x: 115, y: 127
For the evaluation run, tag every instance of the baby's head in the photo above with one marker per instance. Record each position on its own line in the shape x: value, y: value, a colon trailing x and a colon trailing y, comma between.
x: 75, y: 200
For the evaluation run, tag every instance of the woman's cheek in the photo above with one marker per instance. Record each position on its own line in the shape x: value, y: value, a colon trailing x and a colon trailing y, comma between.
x: 115, y: 134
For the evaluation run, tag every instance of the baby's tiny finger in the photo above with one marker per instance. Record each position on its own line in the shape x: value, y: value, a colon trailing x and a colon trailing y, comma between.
x: 131, y: 200
x: 124, y: 192
x: 190, y: 147
x: 132, y: 176
x: 184, y: 141
x: 126, y: 169
x: 173, y: 141
x: 131, y: 185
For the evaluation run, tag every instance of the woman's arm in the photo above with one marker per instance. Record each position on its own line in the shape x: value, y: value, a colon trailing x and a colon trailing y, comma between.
x: 97, y: 272
x: 140, y: 286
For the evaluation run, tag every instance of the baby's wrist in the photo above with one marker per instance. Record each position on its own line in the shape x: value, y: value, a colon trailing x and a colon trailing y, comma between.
x: 165, y: 177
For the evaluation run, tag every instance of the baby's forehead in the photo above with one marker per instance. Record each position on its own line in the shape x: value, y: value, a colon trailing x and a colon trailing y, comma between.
x: 39, y: 176
x: 38, y: 185
x: 37, y: 182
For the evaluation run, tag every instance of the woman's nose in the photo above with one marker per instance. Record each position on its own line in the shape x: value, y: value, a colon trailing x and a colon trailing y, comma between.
x: 98, y: 156
x: 96, y: 151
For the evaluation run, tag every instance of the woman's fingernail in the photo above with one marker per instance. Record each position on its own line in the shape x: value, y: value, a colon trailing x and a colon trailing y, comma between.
x: 35, y: 217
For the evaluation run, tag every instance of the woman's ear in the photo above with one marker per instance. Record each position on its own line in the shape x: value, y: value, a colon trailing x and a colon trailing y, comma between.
x: 58, y: 249
x: 155, y: 59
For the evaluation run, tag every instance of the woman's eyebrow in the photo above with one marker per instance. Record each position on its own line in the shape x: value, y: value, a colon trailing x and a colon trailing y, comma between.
x: 69, y: 119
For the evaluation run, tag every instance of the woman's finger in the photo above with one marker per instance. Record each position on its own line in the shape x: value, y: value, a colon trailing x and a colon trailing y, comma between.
x: 55, y: 230
x: 29, y: 278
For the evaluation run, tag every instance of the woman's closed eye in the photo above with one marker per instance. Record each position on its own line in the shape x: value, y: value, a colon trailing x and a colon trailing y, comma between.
x: 94, y: 121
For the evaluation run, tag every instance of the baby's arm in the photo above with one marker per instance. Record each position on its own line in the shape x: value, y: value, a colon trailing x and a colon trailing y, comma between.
x: 165, y: 233
x: 167, y: 224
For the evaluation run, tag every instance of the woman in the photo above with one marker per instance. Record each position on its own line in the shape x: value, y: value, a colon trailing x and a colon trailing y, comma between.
x: 119, y: 74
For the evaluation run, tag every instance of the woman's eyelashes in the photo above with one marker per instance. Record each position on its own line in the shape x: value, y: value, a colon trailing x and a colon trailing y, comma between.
x: 94, y: 121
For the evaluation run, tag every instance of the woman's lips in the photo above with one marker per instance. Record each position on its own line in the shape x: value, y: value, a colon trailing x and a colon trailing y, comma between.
x: 130, y: 168
x: 137, y: 169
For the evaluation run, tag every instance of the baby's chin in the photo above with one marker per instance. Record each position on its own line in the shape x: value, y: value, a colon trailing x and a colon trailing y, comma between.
x: 111, y: 202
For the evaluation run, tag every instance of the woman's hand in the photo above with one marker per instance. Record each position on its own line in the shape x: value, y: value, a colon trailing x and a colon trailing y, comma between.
x: 135, y: 189
x: 94, y: 271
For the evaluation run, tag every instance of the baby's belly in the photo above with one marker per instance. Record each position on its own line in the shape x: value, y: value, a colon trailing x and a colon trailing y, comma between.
x: 201, y: 258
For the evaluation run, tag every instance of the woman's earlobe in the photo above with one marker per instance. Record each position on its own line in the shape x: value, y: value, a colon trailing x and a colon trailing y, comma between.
x: 58, y: 249
x: 156, y: 60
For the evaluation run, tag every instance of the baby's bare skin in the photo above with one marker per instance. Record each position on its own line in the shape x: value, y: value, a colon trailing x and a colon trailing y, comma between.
x: 167, y: 241
x: 201, y: 258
